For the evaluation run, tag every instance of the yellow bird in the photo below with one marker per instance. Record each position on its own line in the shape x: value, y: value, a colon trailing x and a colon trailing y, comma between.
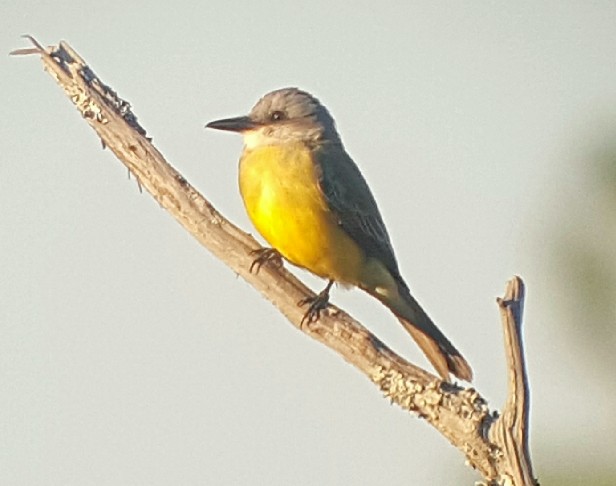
x: 308, y: 199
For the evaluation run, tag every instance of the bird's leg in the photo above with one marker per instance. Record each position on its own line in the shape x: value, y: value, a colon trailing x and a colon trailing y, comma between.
x: 315, y: 305
x: 265, y: 255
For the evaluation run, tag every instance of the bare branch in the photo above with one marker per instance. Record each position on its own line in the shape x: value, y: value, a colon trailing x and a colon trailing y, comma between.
x: 511, y: 430
x: 461, y: 415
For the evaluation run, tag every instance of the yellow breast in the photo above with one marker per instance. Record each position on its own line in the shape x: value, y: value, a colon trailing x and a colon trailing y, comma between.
x: 280, y: 192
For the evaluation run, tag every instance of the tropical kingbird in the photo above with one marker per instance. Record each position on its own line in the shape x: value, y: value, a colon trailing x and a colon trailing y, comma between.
x: 308, y: 199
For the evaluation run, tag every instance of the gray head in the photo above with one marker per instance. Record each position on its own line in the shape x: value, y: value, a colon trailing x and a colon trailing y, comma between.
x: 283, y: 116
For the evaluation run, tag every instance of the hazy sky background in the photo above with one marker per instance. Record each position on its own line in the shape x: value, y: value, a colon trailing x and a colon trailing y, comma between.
x: 130, y: 356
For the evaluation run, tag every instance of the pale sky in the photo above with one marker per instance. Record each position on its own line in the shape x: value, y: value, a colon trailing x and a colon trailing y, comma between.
x: 130, y: 356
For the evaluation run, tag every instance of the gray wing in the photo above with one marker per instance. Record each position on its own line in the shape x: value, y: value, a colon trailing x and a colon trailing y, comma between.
x: 349, y: 197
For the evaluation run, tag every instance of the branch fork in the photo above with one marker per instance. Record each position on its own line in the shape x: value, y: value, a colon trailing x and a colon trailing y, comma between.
x: 496, y: 446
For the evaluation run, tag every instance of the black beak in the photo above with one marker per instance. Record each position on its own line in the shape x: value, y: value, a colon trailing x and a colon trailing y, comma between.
x: 237, y: 124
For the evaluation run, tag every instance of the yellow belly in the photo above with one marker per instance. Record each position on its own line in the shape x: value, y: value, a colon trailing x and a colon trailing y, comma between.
x: 279, y: 188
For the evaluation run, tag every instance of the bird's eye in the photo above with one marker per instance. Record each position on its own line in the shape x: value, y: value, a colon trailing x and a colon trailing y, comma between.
x: 277, y: 115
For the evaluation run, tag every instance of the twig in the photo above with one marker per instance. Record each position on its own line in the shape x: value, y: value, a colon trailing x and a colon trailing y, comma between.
x: 461, y: 415
x: 511, y: 430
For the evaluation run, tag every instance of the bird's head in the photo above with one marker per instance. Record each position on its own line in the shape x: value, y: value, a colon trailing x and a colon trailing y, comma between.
x: 283, y: 116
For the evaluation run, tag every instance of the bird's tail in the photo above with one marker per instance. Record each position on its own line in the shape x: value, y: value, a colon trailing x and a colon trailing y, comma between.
x: 438, y: 349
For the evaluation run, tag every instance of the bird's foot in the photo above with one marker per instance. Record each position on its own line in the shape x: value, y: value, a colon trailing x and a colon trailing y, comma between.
x: 315, y: 305
x: 265, y: 255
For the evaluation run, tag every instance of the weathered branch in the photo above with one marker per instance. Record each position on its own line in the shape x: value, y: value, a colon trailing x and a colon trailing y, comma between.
x: 511, y: 430
x: 497, y: 448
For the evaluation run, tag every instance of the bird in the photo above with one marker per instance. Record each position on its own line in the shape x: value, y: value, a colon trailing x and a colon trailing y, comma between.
x: 308, y: 199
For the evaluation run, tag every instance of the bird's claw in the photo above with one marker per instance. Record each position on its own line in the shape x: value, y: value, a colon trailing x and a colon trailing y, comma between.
x: 315, y: 305
x: 265, y: 255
